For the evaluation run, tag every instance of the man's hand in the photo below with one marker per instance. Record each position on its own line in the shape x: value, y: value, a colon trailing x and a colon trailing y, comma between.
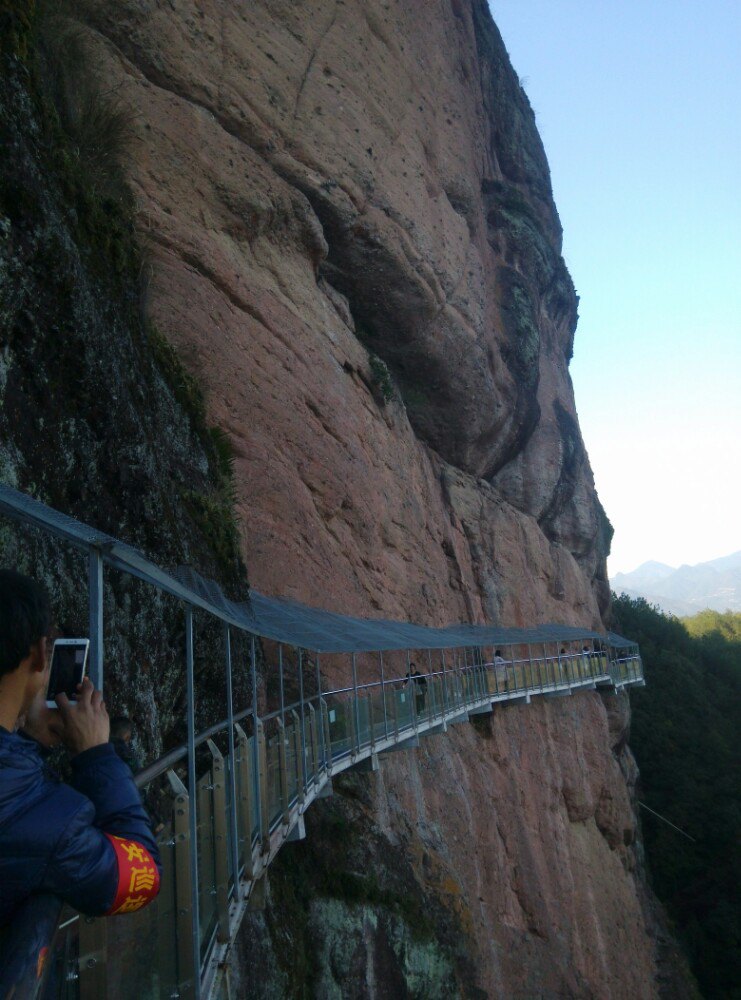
x: 43, y: 723
x: 85, y: 722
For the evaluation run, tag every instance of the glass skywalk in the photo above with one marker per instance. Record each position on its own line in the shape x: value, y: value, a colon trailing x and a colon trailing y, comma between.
x: 236, y: 790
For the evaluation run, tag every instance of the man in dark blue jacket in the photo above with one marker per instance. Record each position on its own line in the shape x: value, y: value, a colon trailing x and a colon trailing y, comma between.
x: 89, y: 843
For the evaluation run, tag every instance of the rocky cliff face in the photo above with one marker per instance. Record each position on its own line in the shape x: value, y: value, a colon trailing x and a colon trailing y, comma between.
x: 97, y: 416
x: 323, y: 180
x: 355, y: 247
x: 495, y: 861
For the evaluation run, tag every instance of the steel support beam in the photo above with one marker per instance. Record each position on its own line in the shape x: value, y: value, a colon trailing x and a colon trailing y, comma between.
x: 95, y: 614
x: 187, y: 957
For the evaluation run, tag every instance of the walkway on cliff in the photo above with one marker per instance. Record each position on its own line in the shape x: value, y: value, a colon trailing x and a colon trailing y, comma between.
x: 265, y: 737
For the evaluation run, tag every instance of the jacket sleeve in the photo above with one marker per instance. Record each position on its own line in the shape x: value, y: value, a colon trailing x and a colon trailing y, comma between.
x: 101, y: 776
x: 106, y: 859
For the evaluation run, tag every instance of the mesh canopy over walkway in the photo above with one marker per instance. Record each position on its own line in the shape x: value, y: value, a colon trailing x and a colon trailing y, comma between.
x: 327, y: 632
x: 284, y: 620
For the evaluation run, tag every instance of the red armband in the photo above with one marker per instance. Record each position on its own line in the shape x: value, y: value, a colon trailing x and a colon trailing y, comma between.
x: 138, y: 877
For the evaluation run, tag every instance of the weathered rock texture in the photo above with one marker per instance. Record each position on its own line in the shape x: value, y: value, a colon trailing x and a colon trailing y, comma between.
x: 355, y: 247
x: 316, y: 178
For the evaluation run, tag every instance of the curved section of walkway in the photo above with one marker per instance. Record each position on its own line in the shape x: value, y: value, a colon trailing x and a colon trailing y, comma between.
x: 233, y: 794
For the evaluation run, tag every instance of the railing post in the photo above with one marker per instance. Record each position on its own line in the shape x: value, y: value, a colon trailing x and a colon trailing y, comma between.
x: 262, y: 787
x: 494, y: 668
x: 371, y: 725
x: 383, y: 695
x: 429, y: 674
x: 259, y: 762
x: 192, y: 786
x: 530, y: 664
x: 187, y: 959
x: 352, y: 725
x: 221, y: 863
x: 445, y: 683
x: 95, y: 612
x: 394, y: 713
x: 93, y: 958
x: 304, y: 775
x: 321, y: 713
x: 246, y: 790
x: 511, y: 671
x: 282, y: 693
x: 433, y: 694
x: 232, y: 783
x: 526, y: 672
x: 298, y: 754
x: 355, y: 703
x: 412, y: 693
x: 283, y: 768
x: 477, y: 682
x: 314, y: 742
x: 327, y: 736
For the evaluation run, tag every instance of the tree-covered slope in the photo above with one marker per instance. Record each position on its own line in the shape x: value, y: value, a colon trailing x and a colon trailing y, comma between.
x: 685, y: 736
x: 726, y: 624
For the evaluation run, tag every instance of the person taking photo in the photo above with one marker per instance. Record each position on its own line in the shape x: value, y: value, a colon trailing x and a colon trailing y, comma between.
x: 88, y: 842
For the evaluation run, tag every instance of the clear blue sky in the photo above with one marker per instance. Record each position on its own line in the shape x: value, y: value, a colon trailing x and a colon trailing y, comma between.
x: 638, y: 103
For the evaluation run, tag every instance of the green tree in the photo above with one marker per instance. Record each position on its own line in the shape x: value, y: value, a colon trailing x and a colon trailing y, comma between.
x: 685, y: 735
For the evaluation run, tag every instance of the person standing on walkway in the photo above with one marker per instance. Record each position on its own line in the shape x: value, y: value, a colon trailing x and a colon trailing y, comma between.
x: 89, y: 842
x: 419, y: 685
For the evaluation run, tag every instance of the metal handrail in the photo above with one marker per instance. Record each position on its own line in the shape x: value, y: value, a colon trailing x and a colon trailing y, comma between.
x: 235, y: 798
x: 174, y: 756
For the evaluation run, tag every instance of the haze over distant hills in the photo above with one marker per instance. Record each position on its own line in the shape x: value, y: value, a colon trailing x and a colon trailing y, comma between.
x: 688, y: 589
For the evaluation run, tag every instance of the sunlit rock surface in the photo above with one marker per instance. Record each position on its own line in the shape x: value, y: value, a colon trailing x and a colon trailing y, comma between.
x: 321, y: 182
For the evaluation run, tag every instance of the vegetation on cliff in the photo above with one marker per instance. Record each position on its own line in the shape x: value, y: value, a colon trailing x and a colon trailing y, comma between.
x: 685, y: 735
x: 342, y: 902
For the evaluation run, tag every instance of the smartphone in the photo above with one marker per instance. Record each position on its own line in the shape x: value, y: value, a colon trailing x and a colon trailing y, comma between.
x: 68, y: 663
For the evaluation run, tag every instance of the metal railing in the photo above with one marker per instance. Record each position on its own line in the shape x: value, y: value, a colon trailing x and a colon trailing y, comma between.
x: 234, y: 792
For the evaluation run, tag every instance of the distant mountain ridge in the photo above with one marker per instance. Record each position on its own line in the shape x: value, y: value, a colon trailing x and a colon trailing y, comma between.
x: 688, y: 589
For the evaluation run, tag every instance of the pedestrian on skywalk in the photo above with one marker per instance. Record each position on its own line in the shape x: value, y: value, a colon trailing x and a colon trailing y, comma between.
x: 419, y: 681
x: 500, y: 669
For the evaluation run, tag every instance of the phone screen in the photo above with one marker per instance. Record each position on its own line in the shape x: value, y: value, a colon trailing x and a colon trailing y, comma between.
x: 67, y: 668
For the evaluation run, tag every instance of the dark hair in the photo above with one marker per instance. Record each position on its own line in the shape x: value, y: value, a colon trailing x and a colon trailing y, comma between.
x: 497, y: 652
x: 25, y: 617
x: 121, y: 727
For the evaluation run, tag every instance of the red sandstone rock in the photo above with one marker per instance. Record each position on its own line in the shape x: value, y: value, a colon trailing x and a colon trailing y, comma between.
x: 315, y: 177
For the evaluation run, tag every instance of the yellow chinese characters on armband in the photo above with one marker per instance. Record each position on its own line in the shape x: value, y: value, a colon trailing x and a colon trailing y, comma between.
x: 138, y: 877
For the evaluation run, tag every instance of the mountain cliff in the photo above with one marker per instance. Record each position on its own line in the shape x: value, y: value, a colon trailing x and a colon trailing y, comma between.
x: 353, y: 246
x: 336, y: 190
